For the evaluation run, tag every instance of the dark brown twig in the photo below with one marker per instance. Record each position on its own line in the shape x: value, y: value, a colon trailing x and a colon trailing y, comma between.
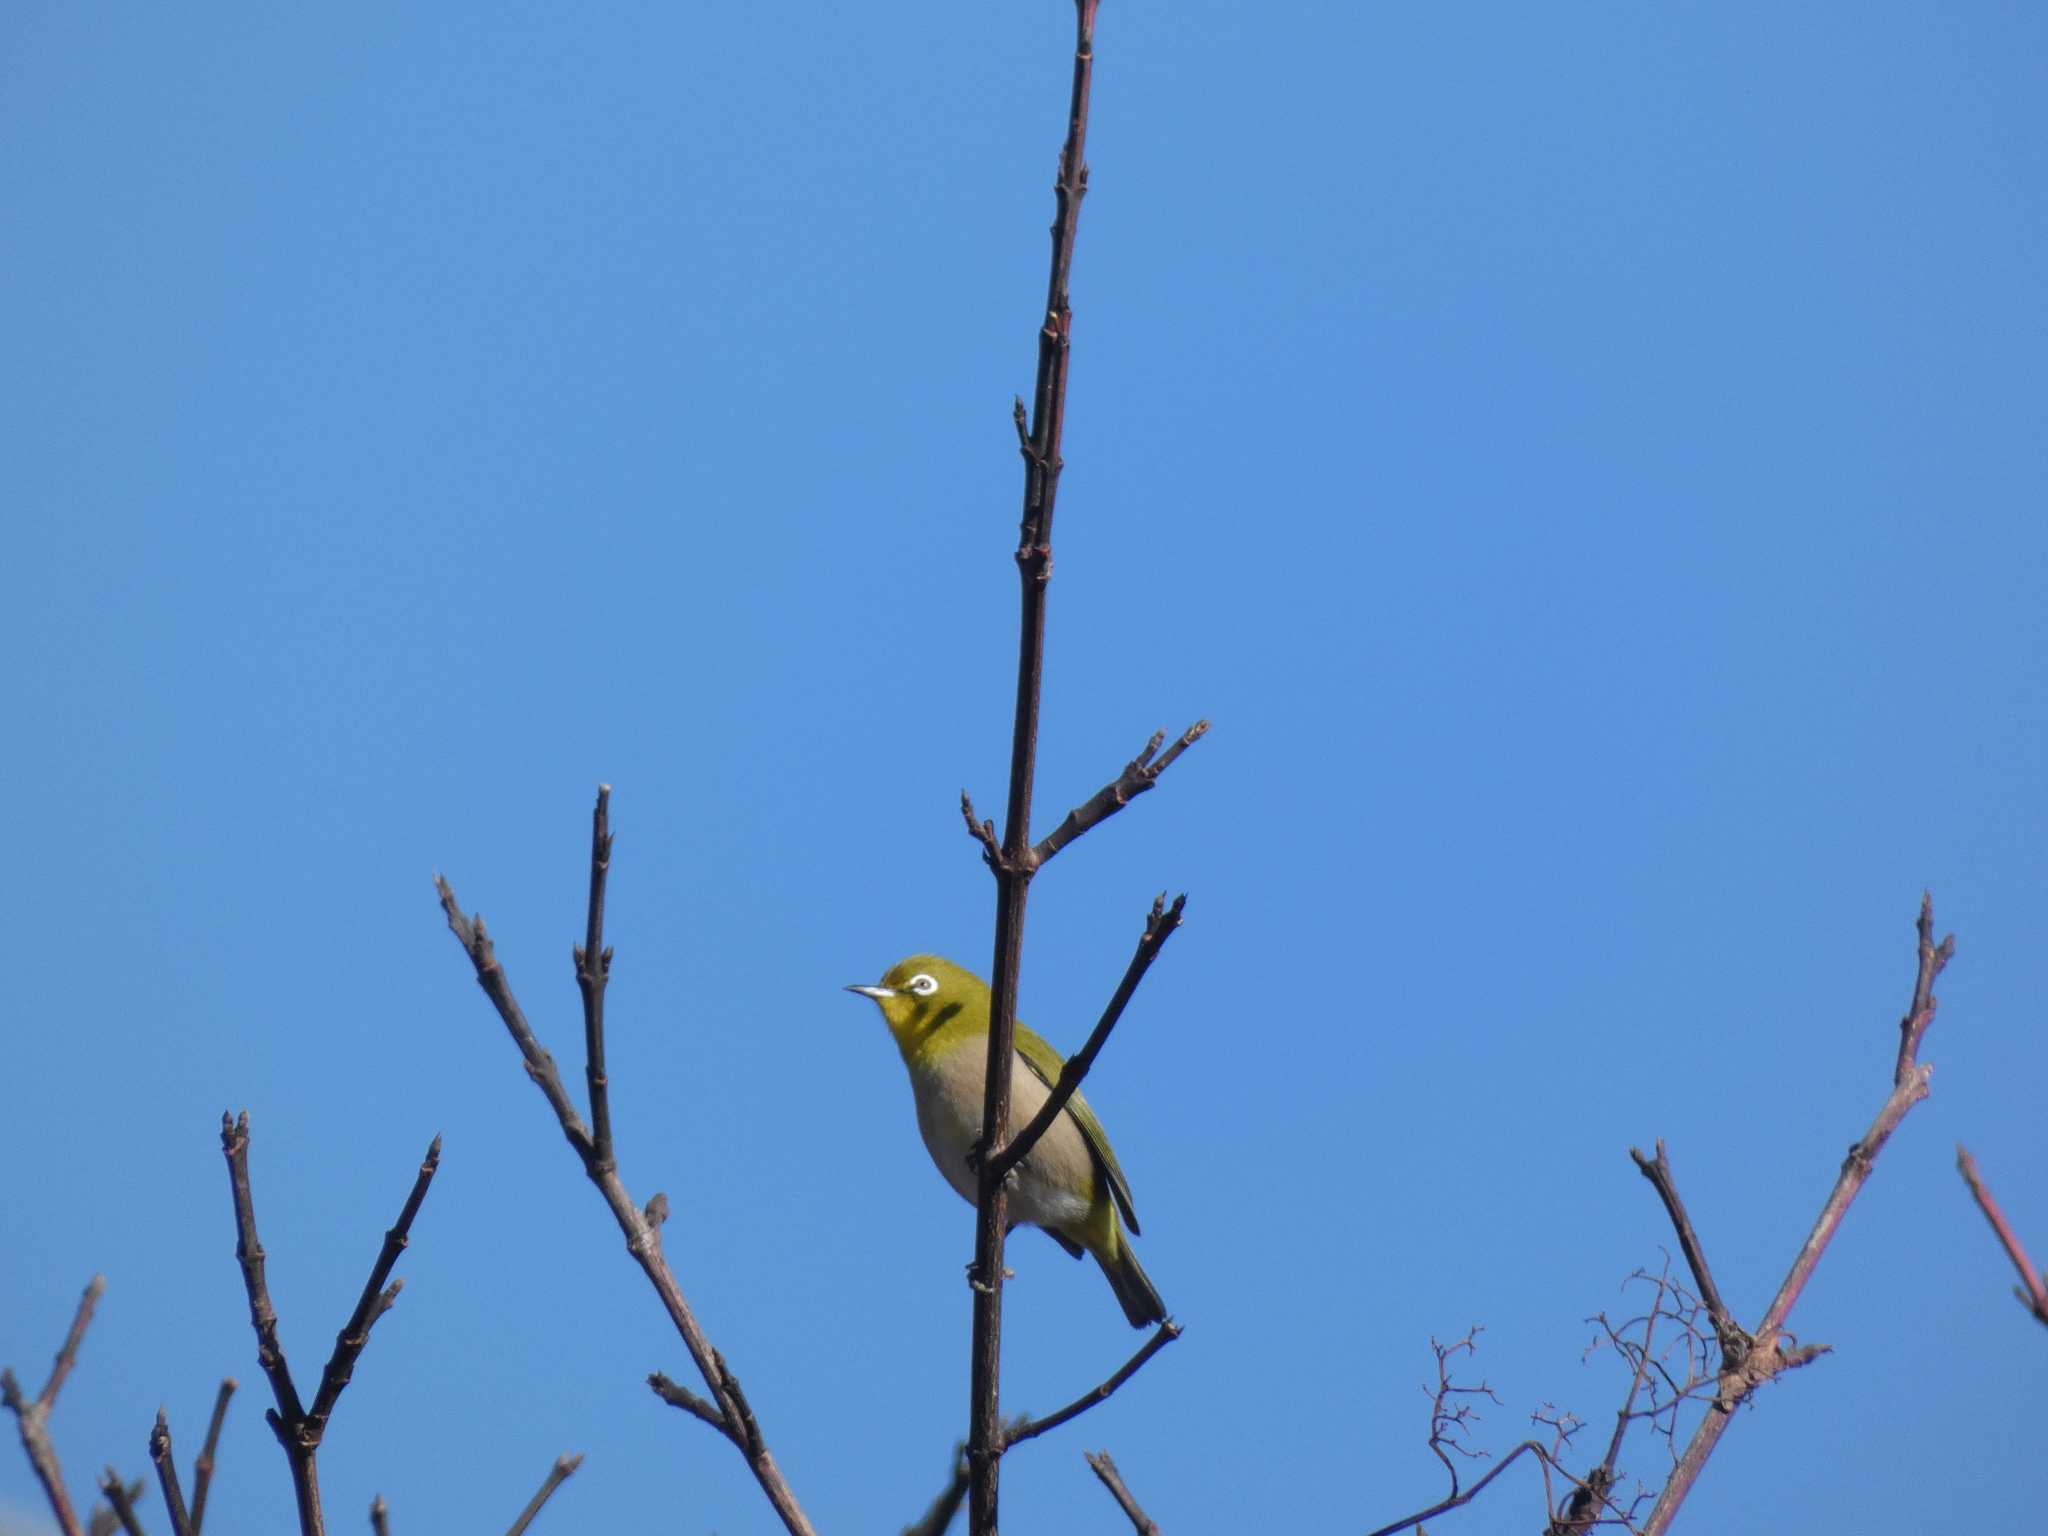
x: 298, y: 1430
x: 1012, y: 866
x: 593, y: 972
x: 1105, y: 1469
x: 557, y: 1475
x: 1031, y: 1429
x: 1771, y: 1352
x: 167, y: 1476
x: 121, y: 1498
x: 1455, y: 1500
x: 935, y: 1520
x: 1735, y: 1339
x: 375, y: 1301
x: 202, y: 1469
x: 728, y: 1409
x: 380, y: 1517
x: 1140, y: 774
x: 1159, y: 928
x: 2033, y: 1292
x: 33, y: 1417
x: 676, y: 1395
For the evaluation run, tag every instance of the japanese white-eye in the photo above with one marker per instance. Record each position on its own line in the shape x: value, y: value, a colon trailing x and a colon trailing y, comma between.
x: 1070, y: 1185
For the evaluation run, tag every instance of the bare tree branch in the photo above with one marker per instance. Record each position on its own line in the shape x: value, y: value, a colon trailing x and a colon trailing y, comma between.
x: 1012, y: 865
x: 1159, y: 928
x: 1772, y: 1352
x: 202, y: 1469
x: 33, y: 1418
x: 593, y: 973
x: 167, y: 1476
x: 1105, y: 1469
x: 374, y: 1302
x: 1735, y: 1339
x: 557, y: 1475
x: 936, y: 1519
x: 1031, y: 1429
x: 122, y: 1500
x: 728, y: 1410
x: 298, y: 1430
x: 1140, y: 774
x: 676, y: 1395
x: 2033, y: 1293
x: 380, y: 1517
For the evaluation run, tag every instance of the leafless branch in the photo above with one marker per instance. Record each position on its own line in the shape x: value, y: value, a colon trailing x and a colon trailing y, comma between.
x: 936, y: 1519
x: 1140, y: 774
x: 33, y: 1417
x: 1772, y: 1351
x: 1105, y: 1469
x: 298, y: 1430
x: 380, y: 1517
x: 2033, y: 1291
x: 167, y: 1476
x: 1456, y: 1500
x: 1012, y: 863
x: 593, y: 973
x: 1159, y: 928
x: 121, y: 1498
x: 557, y: 1475
x: 728, y: 1410
x: 202, y: 1469
x: 1447, y: 1424
x: 1031, y: 1429
x: 676, y: 1395
x: 1735, y: 1340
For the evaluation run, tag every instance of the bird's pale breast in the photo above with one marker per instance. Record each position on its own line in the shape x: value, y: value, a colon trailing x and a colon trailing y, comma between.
x: 1054, y: 1187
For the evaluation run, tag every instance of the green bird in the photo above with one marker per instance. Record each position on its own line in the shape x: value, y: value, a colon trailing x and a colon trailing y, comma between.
x: 1070, y: 1186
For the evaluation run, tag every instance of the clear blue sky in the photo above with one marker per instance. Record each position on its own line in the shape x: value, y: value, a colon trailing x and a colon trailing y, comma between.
x: 1588, y: 462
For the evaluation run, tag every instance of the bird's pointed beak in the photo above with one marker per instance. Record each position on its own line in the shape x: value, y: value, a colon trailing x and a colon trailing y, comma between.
x: 877, y: 993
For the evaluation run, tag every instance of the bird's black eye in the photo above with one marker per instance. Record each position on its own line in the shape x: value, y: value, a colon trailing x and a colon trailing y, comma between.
x: 922, y: 985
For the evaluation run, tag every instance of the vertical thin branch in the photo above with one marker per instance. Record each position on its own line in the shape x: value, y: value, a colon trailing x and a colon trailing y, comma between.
x: 557, y: 1475
x: 202, y: 1469
x: 593, y: 971
x: 380, y: 1517
x: 33, y: 1417
x: 1042, y: 464
x: 167, y: 1476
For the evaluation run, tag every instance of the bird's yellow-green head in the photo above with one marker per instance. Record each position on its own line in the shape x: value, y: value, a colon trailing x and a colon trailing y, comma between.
x: 926, y: 1000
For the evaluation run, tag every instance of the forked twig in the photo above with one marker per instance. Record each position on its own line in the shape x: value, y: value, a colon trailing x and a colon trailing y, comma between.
x: 32, y: 1416
x: 728, y: 1410
x: 1105, y: 1469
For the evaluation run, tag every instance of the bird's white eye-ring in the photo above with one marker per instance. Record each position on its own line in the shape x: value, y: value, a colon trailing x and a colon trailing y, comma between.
x: 922, y: 985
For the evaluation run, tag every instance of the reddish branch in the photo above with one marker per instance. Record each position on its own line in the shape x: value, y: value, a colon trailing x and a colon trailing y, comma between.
x: 2033, y: 1290
x: 1766, y: 1352
x: 33, y: 1416
x: 202, y: 1469
x: 557, y: 1475
x: 728, y: 1411
x: 1105, y: 1469
x: 300, y: 1429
